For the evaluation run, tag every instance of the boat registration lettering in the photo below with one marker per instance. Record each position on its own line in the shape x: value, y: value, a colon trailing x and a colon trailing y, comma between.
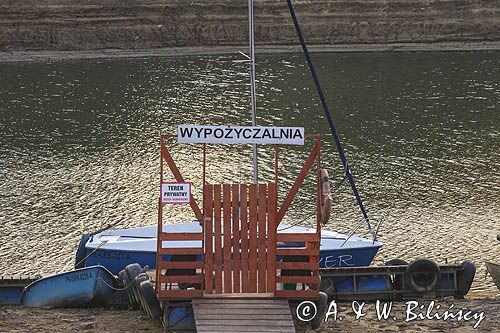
x: 78, y: 277
x: 240, y: 134
x: 176, y: 193
x: 112, y: 255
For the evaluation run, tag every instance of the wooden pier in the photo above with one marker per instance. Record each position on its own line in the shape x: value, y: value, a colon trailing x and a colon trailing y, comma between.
x: 242, y: 315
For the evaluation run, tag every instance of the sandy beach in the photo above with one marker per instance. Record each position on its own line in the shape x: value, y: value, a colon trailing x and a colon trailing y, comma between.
x: 397, y: 323
x: 20, y: 319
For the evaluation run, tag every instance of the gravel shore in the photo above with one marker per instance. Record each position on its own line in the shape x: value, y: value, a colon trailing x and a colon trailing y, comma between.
x: 21, y: 319
x: 44, y: 56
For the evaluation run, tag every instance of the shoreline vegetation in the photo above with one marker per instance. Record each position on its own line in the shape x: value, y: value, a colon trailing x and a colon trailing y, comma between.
x: 52, y: 55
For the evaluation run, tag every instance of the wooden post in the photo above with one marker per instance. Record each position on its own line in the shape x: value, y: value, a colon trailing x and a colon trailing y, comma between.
x: 262, y: 238
x: 271, y: 240
x: 218, y: 240
x: 252, y: 267
x: 298, y: 182
x: 235, y: 204
x: 226, y: 189
x: 209, y: 238
x: 244, y: 238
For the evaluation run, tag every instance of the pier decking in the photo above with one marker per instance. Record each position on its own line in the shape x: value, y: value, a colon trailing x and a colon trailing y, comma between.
x: 242, y: 315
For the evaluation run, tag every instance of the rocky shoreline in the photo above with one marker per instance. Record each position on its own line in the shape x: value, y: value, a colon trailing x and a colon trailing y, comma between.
x: 48, y: 55
x: 133, y: 26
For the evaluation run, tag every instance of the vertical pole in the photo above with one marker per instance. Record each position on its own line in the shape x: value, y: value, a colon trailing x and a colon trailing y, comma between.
x: 159, y: 257
x: 159, y: 226
x: 319, y: 193
x: 253, y: 101
x: 204, y: 171
x: 276, y: 167
x: 206, y: 233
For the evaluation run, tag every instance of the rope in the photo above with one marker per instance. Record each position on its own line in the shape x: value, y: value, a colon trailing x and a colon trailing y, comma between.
x: 116, y: 289
x: 293, y: 225
x: 91, y: 253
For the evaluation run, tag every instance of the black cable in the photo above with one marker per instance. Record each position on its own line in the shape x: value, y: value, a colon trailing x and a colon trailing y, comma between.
x: 328, y: 114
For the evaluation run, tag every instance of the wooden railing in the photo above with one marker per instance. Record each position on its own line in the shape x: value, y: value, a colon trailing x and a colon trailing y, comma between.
x: 298, y: 266
x: 179, y: 269
x: 238, y: 249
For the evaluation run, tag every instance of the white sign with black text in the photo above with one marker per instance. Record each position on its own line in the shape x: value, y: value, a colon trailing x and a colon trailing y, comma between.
x: 176, y: 193
x: 240, y: 134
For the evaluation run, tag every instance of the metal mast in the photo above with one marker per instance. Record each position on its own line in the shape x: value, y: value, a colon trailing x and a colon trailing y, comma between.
x: 253, y: 102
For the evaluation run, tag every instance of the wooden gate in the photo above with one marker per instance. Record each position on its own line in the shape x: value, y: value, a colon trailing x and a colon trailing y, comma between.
x: 240, y: 238
x: 235, y: 251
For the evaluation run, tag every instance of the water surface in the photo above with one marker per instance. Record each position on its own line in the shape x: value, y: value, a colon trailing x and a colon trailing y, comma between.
x: 79, y: 146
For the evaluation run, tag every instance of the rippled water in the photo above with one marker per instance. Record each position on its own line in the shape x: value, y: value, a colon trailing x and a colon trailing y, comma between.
x: 79, y: 146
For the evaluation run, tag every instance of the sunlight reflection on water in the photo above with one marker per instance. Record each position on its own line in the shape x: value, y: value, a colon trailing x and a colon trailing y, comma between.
x: 80, y: 140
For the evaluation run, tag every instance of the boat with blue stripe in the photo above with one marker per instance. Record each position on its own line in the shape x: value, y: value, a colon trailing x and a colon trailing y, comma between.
x: 115, y: 249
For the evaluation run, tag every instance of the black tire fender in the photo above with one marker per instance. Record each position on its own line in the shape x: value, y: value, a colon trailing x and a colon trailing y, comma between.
x: 148, y: 296
x: 123, y: 277
x: 135, y: 285
x: 465, y: 278
x: 398, y: 280
x: 396, y: 262
x: 322, y: 306
x: 133, y: 270
x: 327, y: 286
x: 422, y: 275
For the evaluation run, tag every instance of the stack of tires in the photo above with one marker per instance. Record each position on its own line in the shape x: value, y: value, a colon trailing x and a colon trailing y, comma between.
x: 140, y: 290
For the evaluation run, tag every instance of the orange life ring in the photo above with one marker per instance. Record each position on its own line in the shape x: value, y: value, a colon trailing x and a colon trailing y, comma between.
x: 326, y: 204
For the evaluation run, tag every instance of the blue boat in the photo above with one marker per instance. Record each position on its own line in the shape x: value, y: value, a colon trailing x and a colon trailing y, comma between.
x: 115, y: 249
x: 85, y: 287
